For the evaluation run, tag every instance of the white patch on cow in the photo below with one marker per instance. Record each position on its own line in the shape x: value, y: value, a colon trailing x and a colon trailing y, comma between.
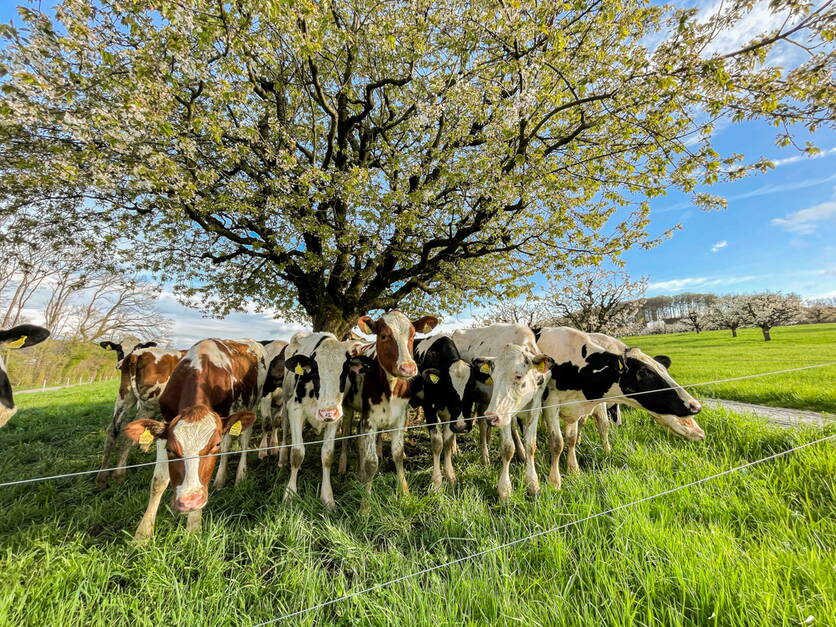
x: 193, y: 438
x: 488, y: 341
x: 460, y: 375
x: 400, y: 326
x: 426, y: 344
x: 516, y: 382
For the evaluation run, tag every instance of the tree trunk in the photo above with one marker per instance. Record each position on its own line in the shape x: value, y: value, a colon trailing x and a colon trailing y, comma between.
x: 766, y: 336
x: 734, y: 331
x: 333, y: 320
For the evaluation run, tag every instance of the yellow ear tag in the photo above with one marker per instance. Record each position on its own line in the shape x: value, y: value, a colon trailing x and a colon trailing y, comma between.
x: 299, y: 369
x: 107, y: 348
x: 17, y: 343
x: 485, y: 369
x: 236, y: 428
x: 433, y: 377
x: 544, y: 366
x: 489, y: 380
x: 146, y: 438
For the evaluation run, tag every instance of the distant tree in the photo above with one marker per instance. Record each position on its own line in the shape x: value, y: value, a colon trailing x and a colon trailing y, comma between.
x: 729, y: 312
x: 597, y: 300
x: 531, y: 312
x: 820, y: 310
x: 694, y: 319
x: 770, y: 309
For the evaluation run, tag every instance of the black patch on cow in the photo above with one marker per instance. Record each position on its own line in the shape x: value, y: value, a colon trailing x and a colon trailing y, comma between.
x: 593, y: 379
x: 143, y: 345
x: 6, y: 398
x: 613, y: 413
x: 537, y: 331
x: 649, y: 389
x: 583, y: 350
x: 275, y: 374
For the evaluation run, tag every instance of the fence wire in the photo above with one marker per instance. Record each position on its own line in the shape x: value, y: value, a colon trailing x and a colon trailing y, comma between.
x: 414, y: 426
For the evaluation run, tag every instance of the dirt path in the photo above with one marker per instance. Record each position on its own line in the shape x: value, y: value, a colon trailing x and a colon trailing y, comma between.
x: 777, y: 415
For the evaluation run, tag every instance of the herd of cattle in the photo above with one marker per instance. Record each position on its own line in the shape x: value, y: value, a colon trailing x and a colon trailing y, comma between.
x: 503, y: 376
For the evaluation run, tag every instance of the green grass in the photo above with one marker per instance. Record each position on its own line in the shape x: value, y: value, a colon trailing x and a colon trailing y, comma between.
x: 713, y: 355
x: 750, y: 548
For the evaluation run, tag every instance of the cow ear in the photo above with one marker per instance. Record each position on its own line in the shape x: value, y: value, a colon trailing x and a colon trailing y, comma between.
x: 238, y: 422
x: 483, y: 367
x: 583, y: 350
x: 22, y: 336
x: 359, y: 363
x: 145, y: 430
x: 431, y: 375
x: 542, y: 362
x: 367, y: 325
x: 425, y: 324
x: 298, y: 364
x: 664, y: 360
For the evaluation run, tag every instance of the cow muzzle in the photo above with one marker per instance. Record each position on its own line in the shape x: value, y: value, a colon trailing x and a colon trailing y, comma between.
x: 461, y: 426
x: 694, y: 407
x: 190, y: 502
x: 498, y: 420
x: 407, y: 369
x: 330, y: 414
x: 6, y: 414
x: 686, y: 427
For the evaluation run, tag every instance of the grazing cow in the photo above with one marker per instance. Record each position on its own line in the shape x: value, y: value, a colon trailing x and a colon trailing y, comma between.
x: 517, y: 374
x: 386, y: 388
x: 584, y: 372
x: 145, y: 371
x: 317, y: 367
x: 21, y: 336
x: 209, y: 398
x: 271, y: 405
x: 446, y: 390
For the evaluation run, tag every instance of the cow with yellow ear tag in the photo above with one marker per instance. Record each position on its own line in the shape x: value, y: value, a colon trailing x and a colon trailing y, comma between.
x: 22, y: 336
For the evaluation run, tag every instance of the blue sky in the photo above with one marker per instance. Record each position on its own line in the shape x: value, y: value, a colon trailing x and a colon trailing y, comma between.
x: 778, y: 232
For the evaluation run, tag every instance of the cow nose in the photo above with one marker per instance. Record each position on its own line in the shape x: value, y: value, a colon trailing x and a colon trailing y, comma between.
x: 493, y: 419
x: 408, y: 370
x: 694, y: 407
x: 190, y: 502
x: 461, y: 426
x: 329, y: 415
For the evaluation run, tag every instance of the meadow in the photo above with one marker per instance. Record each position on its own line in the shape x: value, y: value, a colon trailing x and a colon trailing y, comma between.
x: 753, y: 547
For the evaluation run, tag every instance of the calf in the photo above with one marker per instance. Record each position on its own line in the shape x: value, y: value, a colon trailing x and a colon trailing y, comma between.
x: 385, y: 389
x: 517, y: 374
x: 21, y: 336
x: 445, y: 390
x: 209, y: 398
x: 271, y: 405
x: 145, y: 371
x: 317, y: 368
x: 584, y: 372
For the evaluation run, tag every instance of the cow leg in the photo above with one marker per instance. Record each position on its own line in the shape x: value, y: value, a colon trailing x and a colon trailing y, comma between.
x: 552, y: 418
x: 283, y: 453
x: 194, y: 520
x: 379, y: 445
x: 348, y: 419
x: 449, y: 446
x: 274, y: 442
x: 506, y: 447
x: 454, y: 447
x: 122, y: 461
x: 241, y: 473
x: 368, y: 465
x: 436, y: 444
x: 530, y: 438
x: 518, y: 445
x: 602, y: 421
x: 265, y: 408
x: 159, y: 482
x: 581, y: 423
x: 326, y: 493
x: 120, y: 412
x: 398, y: 456
x: 571, y: 442
x: 297, y: 453
x: 220, y: 476
x: 484, y: 440
x: 263, y: 443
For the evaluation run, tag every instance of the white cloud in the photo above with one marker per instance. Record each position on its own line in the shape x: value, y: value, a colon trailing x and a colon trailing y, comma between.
x: 803, y: 157
x: 806, y: 221
x: 719, y: 245
x: 679, y: 285
x: 783, y: 187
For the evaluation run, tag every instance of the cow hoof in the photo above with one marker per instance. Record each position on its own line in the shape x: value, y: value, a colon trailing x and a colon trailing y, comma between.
x: 331, y: 506
x: 573, y: 470
x: 554, y: 482
x: 533, y: 490
x: 365, y: 508
x: 436, y: 485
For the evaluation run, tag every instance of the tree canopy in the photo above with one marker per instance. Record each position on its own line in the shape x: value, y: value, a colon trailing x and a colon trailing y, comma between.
x: 327, y: 159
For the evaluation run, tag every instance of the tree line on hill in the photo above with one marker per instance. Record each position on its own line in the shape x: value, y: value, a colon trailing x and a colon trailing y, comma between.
x: 611, y: 302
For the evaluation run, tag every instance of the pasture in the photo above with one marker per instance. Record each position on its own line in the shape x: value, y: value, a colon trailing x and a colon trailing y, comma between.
x: 750, y: 548
x: 713, y: 355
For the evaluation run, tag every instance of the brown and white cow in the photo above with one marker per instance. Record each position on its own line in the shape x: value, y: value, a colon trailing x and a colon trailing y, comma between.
x: 517, y: 373
x: 210, y: 396
x: 21, y: 336
x: 385, y: 388
x: 584, y: 372
x: 145, y: 371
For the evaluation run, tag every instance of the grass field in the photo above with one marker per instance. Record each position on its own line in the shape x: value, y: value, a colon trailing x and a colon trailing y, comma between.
x: 751, y: 548
x: 713, y: 355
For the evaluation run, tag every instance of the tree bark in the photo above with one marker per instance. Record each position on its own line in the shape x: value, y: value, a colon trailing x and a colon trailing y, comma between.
x: 734, y: 331
x: 333, y: 320
x: 766, y: 336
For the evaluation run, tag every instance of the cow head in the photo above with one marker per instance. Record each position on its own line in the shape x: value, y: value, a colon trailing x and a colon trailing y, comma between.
x: 453, y: 387
x: 327, y: 368
x: 117, y: 348
x: 22, y: 336
x: 516, y: 374
x: 192, y: 440
x: 653, y: 389
x: 395, y: 335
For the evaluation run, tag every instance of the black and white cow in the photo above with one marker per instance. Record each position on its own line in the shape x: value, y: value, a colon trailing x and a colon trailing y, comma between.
x: 446, y: 392
x: 21, y: 336
x: 271, y: 405
x: 317, y: 367
x: 584, y: 372
x: 517, y: 373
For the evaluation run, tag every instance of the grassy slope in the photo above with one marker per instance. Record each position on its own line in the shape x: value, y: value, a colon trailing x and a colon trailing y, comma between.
x: 713, y: 355
x: 751, y: 548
